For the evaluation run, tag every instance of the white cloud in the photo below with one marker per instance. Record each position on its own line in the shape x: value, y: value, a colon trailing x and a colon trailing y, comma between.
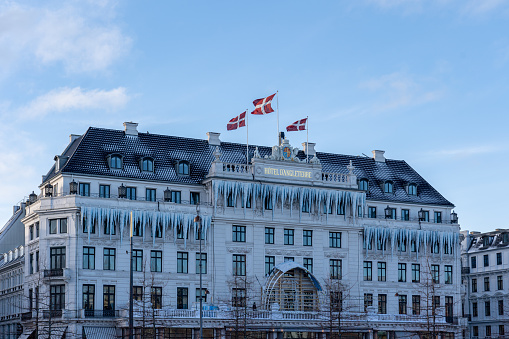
x: 484, y: 6
x: 66, y: 99
x: 467, y: 151
x: 79, y: 38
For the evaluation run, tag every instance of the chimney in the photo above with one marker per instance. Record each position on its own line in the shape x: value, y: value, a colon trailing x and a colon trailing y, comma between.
x: 213, y: 138
x: 130, y: 128
x: 311, y: 146
x: 378, y: 155
x: 73, y: 137
x: 15, y: 208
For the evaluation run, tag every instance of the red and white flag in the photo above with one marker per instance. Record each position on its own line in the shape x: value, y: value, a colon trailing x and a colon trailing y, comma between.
x: 299, y: 125
x: 238, y: 121
x: 262, y: 106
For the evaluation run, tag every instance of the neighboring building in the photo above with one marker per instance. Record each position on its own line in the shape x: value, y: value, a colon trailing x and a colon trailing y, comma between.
x: 485, y: 268
x: 291, y: 248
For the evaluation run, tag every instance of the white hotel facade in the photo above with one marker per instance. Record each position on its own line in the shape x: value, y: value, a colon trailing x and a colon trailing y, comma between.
x: 291, y: 248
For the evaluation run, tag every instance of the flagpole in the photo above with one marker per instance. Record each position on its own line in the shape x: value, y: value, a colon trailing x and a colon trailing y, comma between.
x: 277, y: 110
x: 307, y: 138
x: 247, y: 138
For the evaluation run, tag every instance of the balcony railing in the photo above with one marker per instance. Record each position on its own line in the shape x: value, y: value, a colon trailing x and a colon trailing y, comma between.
x: 56, y: 272
x: 101, y: 313
x: 46, y: 314
x: 465, y: 270
x: 26, y: 316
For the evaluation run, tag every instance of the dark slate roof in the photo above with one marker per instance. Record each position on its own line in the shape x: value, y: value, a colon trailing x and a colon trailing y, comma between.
x: 89, y: 152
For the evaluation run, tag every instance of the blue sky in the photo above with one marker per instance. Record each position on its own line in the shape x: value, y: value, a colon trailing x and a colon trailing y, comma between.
x: 424, y: 80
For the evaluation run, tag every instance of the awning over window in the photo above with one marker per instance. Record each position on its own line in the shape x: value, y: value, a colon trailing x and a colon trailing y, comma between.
x: 100, y: 332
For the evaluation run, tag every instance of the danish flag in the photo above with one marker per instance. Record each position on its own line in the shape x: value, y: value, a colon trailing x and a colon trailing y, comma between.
x: 299, y: 125
x: 238, y: 121
x: 262, y: 106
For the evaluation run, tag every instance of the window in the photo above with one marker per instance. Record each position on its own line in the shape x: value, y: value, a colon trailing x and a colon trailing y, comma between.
x: 270, y: 262
x: 487, y: 308
x: 115, y: 162
x: 285, y: 259
x: 368, y: 271
x: 435, y: 273
x: 36, y: 261
x: 405, y: 214
x: 382, y: 303
x: 239, y: 233
x: 150, y: 194
x: 89, y: 258
x: 57, y: 258
x: 30, y: 299
x: 500, y: 283
x: 269, y: 235
x: 474, y: 285
x: 363, y: 184
x: 486, y: 283
x: 138, y: 293
x: 267, y: 201
x: 305, y: 205
x: 416, y: 273
x: 425, y: 216
x: 308, y: 264
x: 238, y: 297
x: 499, y: 258
x: 473, y: 262
x: 156, y: 261
x: 388, y: 187
x: 416, y: 304
x: 109, y: 259
x: 182, y: 262
x: 88, y: 298
x: 438, y: 217
x: 412, y: 189
x: 31, y: 264
x: 248, y: 201
x: 203, y: 263
x: 53, y: 226
x: 336, y: 301
x: 182, y: 298
x: 131, y: 193
x: 175, y: 197
x: 435, y: 248
x: 37, y: 229
x: 109, y: 300
x: 475, y: 311
x: 335, y: 239
x: 201, y: 294
x: 436, y: 302
x: 288, y: 236
x: 448, y: 307
x: 307, y: 238
x: 371, y: 212
x: 147, y: 165
x: 137, y: 260
x: 180, y: 232
x: 194, y: 198
x: 382, y: 271
x: 486, y: 260
x: 488, y: 331
x: 501, y: 330
x: 229, y: 200
x: 104, y: 191
x: 402, y: 304
x: 341, y: 208
x: 401, y: 245
x: 402, y: 273
x: 156, y: 297
x: 475, y: 331
x: 335, y: 268
x: 448, y: 274
x: 84, y: 189
x: 368, y: 301
x: 183, y: 168
x: 239, y: 264
x: 57, y: 297
x: 501, y: 307
x: 31, y: 232
x: 392, y: 214
x: 413, y: 246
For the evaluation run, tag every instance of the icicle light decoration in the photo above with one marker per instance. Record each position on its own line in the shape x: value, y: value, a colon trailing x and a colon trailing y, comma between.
x: 148, y: 221
x: 382, y: 235
x: 291, y: 194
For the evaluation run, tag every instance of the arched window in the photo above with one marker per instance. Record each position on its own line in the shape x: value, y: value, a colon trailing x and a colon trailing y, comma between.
x: 147, y: 165
x: 115, y: 161
x: 412, y: 189
x: 388, y: 187
x: 183, y: 168
x: 363, y: 184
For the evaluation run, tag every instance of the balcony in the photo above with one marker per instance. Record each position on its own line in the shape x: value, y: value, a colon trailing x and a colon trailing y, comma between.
x: 56, y: 272
x: 46, y: 314
x: 100, y: 313
x: 26, y: 316
x: 465, y: 270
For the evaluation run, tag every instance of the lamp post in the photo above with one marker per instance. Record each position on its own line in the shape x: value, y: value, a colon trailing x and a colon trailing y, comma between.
x: 197, y: 219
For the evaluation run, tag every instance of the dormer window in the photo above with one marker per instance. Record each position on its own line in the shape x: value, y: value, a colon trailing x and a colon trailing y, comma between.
x: 147, y: 165
x: 388, y: 187
x: 363, y: 184
x: 183, y: 168
x: 412, y: 189
x: 115, y: 161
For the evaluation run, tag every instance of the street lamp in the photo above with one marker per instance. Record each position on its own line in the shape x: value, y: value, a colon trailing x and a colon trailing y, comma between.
x: 197, y: 219
x: 454, y: 218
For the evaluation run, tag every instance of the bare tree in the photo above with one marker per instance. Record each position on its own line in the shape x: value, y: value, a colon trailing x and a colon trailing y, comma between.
x: 335, y: 306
